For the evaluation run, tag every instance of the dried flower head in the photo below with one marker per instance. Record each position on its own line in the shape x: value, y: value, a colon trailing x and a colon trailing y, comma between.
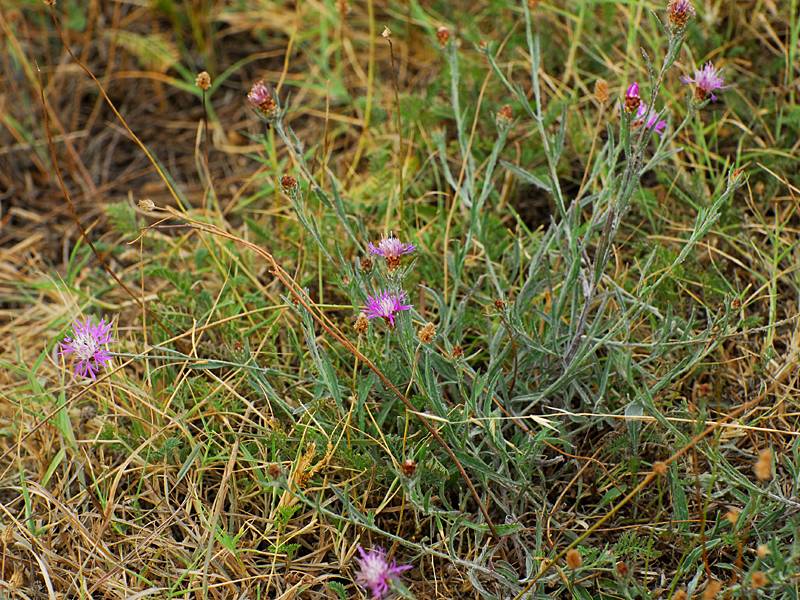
x: 443, y: 35
x: 499, y: 304
x: 763, y: 466
x: 504, y: 117
x: 426, y: 333
x: 146, y: 205
x: 632, y: 98
x: 622, y: 569
x: 601, y: 91
x: 288, y: 184
x: 733, y: 516
x: 649, y: 118
x: 376, y: 573
x: 712, y: 589
x: 701, y: 390
x: 203, y: 80
x: 679, y: 12
x: 261, y: 98
x: 274, y: 470
x: 391, y: 249
x: 361, y: 325
x: 386, y: 305
x: 366, y: 263
x: 660, y: 468
x: 409, y: 467
x: 758, y: 579
x: 762, y: 551
x: 457, y: 352
x: 386, y: 33
x: 89, y: 343
x: 574, y: 559
x: 705, y: 82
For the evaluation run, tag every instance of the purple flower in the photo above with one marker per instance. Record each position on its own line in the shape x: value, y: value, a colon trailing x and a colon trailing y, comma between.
x: 391, y: 249
x: 705, y: 81
x: 649, y: 118
x: 260, y: 97
x: 375, y: 572
x: 386, y: 305
x: 632, y: 98
x: 89, y: 345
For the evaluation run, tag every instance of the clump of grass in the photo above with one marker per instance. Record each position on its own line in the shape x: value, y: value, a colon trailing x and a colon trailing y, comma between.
x: 566, y: 367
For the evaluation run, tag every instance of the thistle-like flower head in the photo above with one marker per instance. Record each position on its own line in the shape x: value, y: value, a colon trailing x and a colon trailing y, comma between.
x: 391, y: 249
x: 89, y: 343
x: 261, y: 98
x: 649, y: 118
x: 386, y: 305
x: 679, y: 13
x: 375, y: 572
x: 705, y: 81
x: 632, y: 98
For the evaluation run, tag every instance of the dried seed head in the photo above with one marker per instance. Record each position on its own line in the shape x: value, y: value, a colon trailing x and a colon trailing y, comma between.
x: 504, y: 117
x: 500, y: 304
x: 701, y: 390
x: 443, y: 35
x: 763, y: 466
x: 289, y: 184
x: 147, y: 205
x: 712, y: 589
x: 574, y: 559
x: 762, y: 551
x: 758, y: 579
x: 426, y: 333
x: 386, y: 33
x: 458, y: 352
x: 622, y: 569
x: 601, y: 91
x: 274, y: 470
x: 660, y: 468
x: 366, y: 264
x: 203, y: 80
x: 733, y: 516
x: 361, y: 325
x: 409, y: 467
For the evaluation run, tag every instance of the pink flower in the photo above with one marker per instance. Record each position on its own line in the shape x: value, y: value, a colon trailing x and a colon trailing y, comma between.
x: 260, y: 97
x: 705, y: 81
x: 89, y: 345
x: 649, y: 118
x: 391, y: 249
x: 375, y: 572
x: 632, y: 98
x: 385, y: 305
